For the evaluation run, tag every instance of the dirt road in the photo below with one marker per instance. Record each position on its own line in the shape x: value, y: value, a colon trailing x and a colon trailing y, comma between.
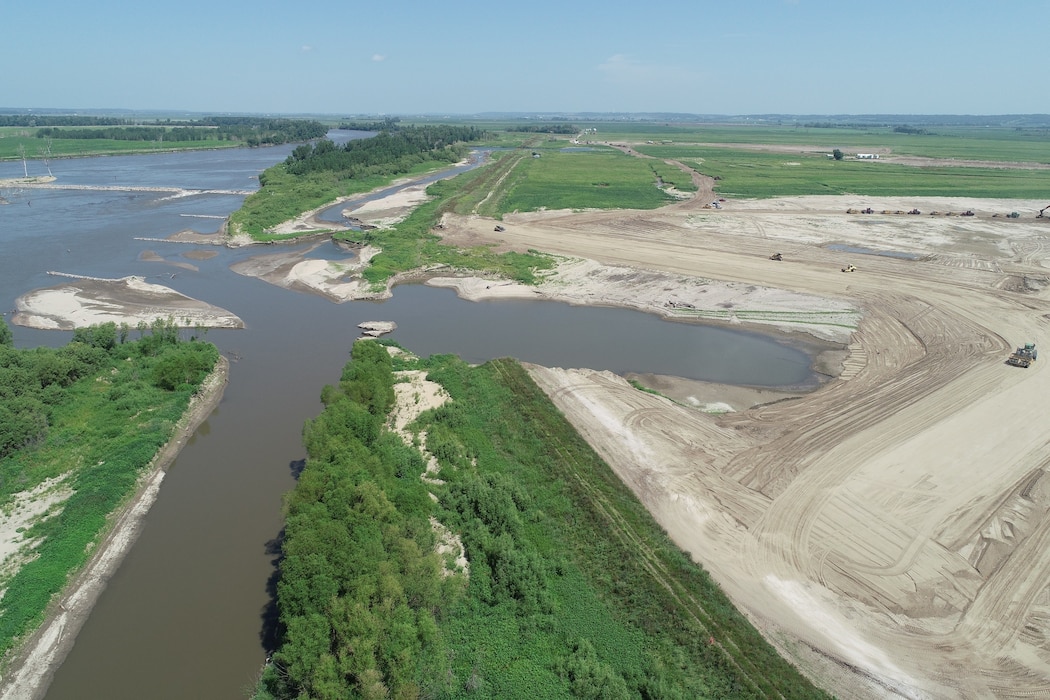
x: 890, y: 531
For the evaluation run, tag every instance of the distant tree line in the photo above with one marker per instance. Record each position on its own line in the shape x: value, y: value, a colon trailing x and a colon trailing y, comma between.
x: 253, y: 131
x: 393, y: 150
x: 385, y: 125
x: 905, y: 129
x: 545, y: 128
x: 32, y: 120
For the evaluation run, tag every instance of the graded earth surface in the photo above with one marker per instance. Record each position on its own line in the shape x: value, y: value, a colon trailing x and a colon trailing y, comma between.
x: 888, y: 532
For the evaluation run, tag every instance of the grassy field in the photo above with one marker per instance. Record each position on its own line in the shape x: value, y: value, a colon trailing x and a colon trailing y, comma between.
x: 590, y: 179
x: 715, y: 150
x: 603, y: 178
x: 749, y: 173
x: 976, y: 143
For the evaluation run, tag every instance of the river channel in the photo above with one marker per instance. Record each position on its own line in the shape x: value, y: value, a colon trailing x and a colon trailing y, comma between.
x: 183, y: 617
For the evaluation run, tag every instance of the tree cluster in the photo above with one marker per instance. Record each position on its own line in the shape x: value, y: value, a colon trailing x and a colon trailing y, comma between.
x: 545, y: 128
x: 359, y: 584
x: 388, y: 124
x: 251, y: 130
x: 393, y: 150
x: 905, y: 129
x: 33, y: 382
x: 32, y: 120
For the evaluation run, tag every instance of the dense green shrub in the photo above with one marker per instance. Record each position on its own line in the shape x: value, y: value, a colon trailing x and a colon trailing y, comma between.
x: 5, y: 333
x: 183, y: 366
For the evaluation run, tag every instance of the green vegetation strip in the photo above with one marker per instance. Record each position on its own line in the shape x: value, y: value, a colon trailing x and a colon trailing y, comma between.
x: 320, y: 173
x: 600, y: 179
x: 573, y: 590
x: 96, y: 410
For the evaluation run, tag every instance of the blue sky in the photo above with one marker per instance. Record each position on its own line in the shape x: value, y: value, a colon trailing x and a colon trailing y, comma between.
x: 464, y: 57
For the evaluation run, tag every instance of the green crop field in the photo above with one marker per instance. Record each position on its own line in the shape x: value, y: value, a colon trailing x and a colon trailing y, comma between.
x: 984, y: 143
x: 750, y: 173
x: 598, y: 179
x: 736, y: 154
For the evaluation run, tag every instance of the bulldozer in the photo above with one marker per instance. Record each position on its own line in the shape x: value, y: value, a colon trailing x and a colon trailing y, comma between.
x: 1024, y: 356
x: 850, y: 268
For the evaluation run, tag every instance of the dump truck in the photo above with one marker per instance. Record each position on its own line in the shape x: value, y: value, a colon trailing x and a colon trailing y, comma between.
x: 1024, y: 356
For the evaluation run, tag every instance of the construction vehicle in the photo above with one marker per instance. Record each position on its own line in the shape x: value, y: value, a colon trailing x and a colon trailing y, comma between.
x: 968, y: 212
x: 1042, y: 213
x: 850, y: 268
x: 915, y: 211
x: 776, y: 256
x: 1023, y: 357
x: 499, y: 229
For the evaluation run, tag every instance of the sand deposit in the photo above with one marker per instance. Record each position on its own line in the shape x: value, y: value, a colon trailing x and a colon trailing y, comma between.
x: 131, y: 300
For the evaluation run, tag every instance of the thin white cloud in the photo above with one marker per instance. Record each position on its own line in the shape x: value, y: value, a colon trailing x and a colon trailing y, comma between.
x: 622, y: 69
x: 306, y: 48
x: 378, y: 57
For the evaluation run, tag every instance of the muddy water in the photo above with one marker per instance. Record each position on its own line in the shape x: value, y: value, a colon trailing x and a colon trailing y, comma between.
x: 183, y: 616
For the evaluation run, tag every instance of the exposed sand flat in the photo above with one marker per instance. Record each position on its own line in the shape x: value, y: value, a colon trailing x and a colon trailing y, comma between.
x: 85, y: 302
x: 339, y: 281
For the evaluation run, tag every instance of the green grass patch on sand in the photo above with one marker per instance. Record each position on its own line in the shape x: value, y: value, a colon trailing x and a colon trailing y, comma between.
x: 598, y: 179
